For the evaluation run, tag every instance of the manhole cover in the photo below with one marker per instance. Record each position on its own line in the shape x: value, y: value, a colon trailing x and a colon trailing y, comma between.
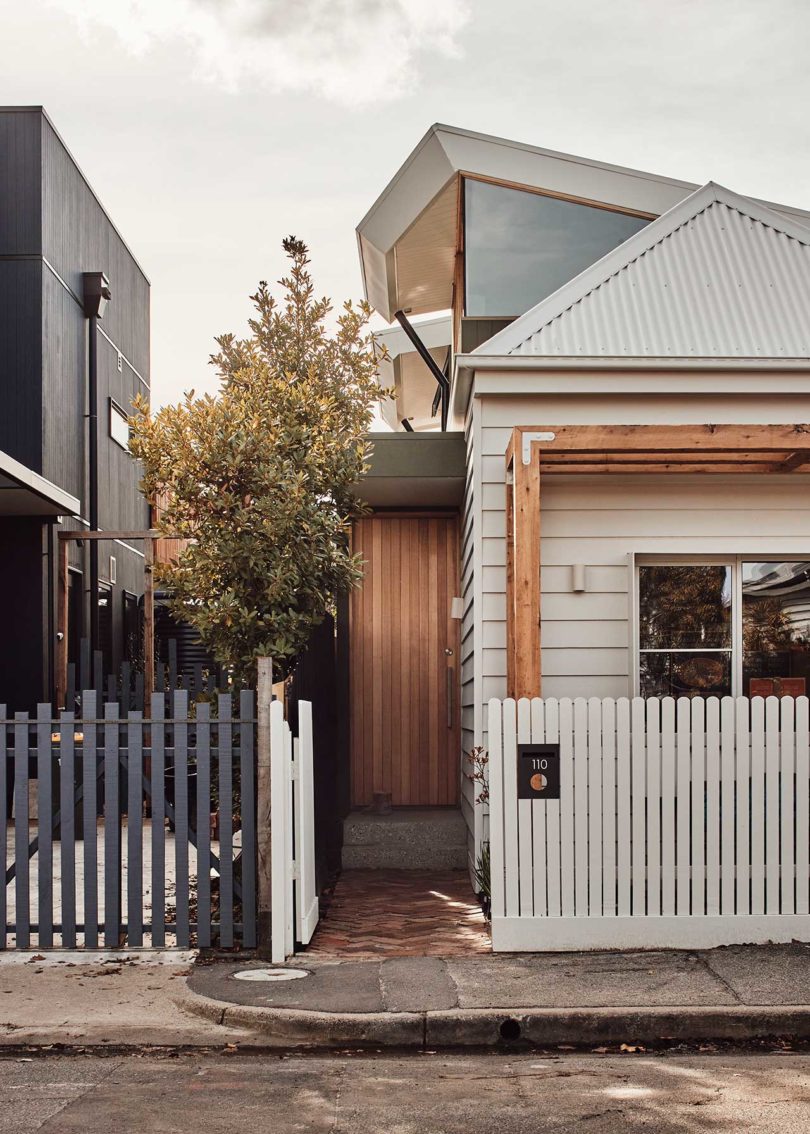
x: 270, y: 974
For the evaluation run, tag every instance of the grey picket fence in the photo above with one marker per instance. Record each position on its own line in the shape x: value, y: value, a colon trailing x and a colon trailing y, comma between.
x: 122, y: 830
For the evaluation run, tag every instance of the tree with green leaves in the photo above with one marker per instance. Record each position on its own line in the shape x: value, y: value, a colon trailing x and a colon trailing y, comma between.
x: 259, y: 477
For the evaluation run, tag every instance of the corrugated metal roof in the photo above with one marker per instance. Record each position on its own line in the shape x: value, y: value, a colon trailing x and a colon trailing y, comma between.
x: 718, y: 276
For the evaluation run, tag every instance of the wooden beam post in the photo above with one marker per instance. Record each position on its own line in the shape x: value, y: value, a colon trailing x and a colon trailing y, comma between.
x: 510, y: 574
x: 526, y: 571
x: 148, y: 623
x: 264, y: 876
x: 62, y: 624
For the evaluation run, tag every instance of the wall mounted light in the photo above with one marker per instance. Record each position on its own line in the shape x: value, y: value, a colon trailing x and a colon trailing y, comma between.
x: 457, y: 608
x: 578, y: 580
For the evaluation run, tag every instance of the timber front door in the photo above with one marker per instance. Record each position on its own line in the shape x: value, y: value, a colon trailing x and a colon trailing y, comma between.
x: 404, y: 661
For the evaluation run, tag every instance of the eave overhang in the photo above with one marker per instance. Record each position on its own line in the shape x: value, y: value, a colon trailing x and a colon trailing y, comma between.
x: 24, y: 492
x: 415, y: 470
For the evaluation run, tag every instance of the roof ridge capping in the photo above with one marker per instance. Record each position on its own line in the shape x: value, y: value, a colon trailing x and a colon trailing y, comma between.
x: 602, y: 271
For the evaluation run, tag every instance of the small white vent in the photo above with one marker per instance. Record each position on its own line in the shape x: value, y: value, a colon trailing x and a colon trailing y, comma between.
x: 113, y: 569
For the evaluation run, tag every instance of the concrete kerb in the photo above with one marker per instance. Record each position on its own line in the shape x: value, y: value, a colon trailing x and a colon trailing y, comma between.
x: 502, y: 1028
x: 292, y: 1027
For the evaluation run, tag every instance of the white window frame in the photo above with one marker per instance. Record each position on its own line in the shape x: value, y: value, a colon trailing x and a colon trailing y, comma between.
x: 119, y: 414
x: 735, y: 562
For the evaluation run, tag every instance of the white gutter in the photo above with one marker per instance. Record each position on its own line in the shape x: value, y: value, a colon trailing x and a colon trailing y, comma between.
x: 473, y: 362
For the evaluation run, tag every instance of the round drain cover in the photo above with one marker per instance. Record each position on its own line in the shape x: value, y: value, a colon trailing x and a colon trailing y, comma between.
x: 270, y: 974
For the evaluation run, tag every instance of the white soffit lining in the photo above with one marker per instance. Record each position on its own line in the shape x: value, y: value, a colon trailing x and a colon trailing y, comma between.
x: 718, y: 276
x: 407, y: 238
x: 25, y: 492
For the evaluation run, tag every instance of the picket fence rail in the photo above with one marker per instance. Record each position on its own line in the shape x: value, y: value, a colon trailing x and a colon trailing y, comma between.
x: 680, y: 823
x: 295, y: 905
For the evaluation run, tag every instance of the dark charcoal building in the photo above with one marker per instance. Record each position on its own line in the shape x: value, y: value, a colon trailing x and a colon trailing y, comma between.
x: 53, y: 230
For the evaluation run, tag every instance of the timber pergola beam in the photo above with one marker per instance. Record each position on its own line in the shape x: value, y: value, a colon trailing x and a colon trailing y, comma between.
x: 612, y: 449
x: 149, y: 537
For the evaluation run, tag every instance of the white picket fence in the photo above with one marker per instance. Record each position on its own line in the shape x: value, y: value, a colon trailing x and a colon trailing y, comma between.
x: 679, y: 823
x: 295, y: 907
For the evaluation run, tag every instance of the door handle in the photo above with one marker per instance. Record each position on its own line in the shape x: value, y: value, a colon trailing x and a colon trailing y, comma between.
x: 451, y: 684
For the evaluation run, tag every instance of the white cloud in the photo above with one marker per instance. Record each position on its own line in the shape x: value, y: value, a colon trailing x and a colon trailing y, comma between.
x: 348, y: 51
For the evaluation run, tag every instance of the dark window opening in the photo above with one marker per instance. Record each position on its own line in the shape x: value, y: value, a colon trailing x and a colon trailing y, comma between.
x: 105, y: 626
x: 75, y: 627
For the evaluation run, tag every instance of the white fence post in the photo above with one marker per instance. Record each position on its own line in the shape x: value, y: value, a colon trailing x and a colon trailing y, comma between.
x: 279, y: 823
x: 307, y: 894
x: 496, y: 848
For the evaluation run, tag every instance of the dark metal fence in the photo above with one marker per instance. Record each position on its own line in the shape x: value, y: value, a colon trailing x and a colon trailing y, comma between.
x: 118, y: 829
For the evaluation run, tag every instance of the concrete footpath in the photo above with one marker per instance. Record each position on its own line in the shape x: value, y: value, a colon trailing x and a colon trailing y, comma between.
x: 741, y: 993
x: 582, y: 999
x: 102, y: 999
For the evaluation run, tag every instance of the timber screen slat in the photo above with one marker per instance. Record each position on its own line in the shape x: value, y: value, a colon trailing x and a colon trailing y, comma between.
x: 404, y: 708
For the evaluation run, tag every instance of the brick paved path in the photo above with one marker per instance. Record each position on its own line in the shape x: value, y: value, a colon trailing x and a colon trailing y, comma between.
x: 402, y: 913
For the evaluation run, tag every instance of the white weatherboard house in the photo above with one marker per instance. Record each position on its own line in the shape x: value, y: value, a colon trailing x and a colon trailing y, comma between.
x: 603, y: 455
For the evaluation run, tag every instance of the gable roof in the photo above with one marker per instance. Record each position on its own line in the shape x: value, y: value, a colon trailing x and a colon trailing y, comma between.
x: 717, y: 276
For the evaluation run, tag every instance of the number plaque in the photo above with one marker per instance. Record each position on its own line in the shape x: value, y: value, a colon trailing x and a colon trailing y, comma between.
x: 538, y: 771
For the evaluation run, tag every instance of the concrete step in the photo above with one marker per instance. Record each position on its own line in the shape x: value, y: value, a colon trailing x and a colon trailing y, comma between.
x: 407, y: 839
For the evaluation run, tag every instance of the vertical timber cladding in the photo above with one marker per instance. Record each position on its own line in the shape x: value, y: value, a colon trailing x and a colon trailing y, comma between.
x: 405, y: 715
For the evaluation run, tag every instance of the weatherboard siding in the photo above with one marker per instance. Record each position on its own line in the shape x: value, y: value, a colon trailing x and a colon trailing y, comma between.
x: 470, y: 659
x: 600, y: 521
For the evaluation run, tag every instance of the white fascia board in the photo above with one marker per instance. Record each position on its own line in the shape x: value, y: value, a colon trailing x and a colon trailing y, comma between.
x: 520, y: 384
x: 539, y: 316
x: 536, y: 374
x: 566, y: 174
x: 473, y: 363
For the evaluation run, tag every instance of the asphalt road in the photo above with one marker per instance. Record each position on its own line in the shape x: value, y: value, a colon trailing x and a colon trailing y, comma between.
x: 415, y: 1094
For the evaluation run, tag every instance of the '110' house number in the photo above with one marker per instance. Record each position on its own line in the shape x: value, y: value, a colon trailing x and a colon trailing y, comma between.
x: 538, y: 771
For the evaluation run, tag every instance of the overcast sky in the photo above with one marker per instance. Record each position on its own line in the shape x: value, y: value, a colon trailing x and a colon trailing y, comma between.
x: 212, y: 128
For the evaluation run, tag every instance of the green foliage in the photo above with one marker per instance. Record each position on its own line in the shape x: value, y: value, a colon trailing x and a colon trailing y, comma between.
x: 259, y: 476
x: 483, y: 874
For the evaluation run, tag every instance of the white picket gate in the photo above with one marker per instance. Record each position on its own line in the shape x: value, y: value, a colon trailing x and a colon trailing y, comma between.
x: 295, y: 906
x: 680, y: 823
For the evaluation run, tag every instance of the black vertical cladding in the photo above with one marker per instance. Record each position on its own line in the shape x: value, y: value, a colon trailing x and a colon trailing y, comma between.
x: 53, y: 229
x: 22, y: 612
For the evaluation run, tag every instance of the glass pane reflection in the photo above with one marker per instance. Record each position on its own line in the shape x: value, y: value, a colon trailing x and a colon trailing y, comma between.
x: 685, y: 674
x: 776, y: 628
x: 520, y: 247
x: 684, y: 607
